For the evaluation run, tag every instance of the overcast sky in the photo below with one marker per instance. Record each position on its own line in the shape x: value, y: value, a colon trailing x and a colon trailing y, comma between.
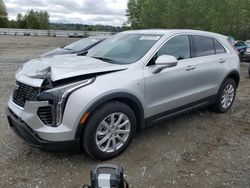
x: 105, y: 12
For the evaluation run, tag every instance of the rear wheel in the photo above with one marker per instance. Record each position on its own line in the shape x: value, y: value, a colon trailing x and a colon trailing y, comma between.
x: 109, y: 130
x: 225, y: 97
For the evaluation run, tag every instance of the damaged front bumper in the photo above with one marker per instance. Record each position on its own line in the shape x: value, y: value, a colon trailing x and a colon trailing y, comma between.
x: 32, y: 139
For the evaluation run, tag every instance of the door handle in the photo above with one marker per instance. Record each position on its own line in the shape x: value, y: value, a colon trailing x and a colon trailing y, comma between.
x: 222, y: 61
x: 189, y: 68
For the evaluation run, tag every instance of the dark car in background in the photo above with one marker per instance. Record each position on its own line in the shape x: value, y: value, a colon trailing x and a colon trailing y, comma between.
x: 242, y: 48
x: 79, y: 47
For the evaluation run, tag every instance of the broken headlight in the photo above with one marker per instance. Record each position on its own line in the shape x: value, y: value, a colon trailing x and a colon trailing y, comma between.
x: 58, y: 97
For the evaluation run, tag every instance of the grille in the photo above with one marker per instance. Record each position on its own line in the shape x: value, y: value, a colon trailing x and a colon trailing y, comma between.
x: 23, y: 93
x: 45, y: 114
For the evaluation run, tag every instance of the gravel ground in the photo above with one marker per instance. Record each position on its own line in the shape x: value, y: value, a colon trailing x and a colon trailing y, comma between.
x: 200, y: 149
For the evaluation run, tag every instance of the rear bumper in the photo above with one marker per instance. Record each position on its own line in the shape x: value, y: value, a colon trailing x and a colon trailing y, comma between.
x: 32, y: 139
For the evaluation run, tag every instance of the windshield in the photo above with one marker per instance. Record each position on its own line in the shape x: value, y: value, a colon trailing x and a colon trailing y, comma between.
x: 124, y: 48
x: 81, y: 44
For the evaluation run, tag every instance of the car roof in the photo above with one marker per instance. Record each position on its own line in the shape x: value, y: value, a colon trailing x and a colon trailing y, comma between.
x: 175, y: 31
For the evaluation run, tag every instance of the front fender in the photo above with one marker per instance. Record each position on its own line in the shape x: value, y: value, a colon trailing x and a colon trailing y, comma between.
x: 125, y: 97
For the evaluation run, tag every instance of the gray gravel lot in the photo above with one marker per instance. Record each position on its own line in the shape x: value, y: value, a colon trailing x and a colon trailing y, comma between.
x: 200, y: 149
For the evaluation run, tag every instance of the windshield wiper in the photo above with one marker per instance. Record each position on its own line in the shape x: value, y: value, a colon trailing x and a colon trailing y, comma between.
x: 106, y: 59
x: 68, y: 49
x: 83, y: 53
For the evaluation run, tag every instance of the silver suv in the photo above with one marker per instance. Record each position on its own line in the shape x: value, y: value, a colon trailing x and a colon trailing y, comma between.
x: 130, y: 81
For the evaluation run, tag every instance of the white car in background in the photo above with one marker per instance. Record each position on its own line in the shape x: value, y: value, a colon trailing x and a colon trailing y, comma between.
x: 79, y: 47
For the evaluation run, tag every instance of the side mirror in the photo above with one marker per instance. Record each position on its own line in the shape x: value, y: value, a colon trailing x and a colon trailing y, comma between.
x: 163, y: 62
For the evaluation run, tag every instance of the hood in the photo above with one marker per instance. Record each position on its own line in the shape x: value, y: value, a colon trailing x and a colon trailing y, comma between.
x: 57, y: 51
x: 61, y: 67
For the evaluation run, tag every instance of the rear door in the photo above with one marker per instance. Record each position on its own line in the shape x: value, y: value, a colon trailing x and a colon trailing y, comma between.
x: 209, y: 59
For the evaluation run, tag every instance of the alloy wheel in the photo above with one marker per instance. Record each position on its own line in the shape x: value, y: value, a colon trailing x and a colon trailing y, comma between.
x: 227, y: 96
x: 113, y: 132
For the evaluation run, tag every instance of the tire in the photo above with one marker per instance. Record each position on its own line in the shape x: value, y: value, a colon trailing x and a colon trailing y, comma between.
x: 249, y: 70
x: 99, y: 128
x: 222, y: 107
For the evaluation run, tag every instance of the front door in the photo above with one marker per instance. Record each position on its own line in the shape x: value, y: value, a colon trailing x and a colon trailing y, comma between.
x: 172, y: 87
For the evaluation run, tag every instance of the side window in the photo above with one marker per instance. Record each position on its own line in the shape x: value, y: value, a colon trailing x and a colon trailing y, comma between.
x: 177, y: 46
x: 219, y: 49
x: 203, y: 46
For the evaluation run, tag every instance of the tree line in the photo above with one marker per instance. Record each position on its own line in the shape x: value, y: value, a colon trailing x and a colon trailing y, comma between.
x: 84, y: 27
x: 40, y: 20
x: 31, y: 20
x: 229, y: 17
x: 3, y: 14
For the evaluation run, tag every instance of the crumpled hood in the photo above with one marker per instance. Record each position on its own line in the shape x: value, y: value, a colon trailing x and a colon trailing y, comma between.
x: 61, y: 67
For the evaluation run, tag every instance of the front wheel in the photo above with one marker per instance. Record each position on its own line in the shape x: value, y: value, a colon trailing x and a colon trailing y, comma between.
x: 109, y: 130
x: 225, y: 96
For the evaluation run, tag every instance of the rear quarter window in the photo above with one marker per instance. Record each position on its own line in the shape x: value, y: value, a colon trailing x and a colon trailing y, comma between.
x: 203, y: 46
x: 219, y: 49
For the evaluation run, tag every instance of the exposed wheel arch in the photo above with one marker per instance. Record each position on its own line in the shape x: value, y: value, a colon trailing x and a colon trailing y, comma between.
x: 100, y: 140
x: 235, y: 75
x: 228, y: 84
x: 132, y: 101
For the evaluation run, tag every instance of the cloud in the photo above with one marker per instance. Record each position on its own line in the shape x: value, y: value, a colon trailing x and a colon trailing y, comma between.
x: 108, y: 12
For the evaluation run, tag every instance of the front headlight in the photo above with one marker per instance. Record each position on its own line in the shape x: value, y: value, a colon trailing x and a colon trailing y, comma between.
x: 58, y: 97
